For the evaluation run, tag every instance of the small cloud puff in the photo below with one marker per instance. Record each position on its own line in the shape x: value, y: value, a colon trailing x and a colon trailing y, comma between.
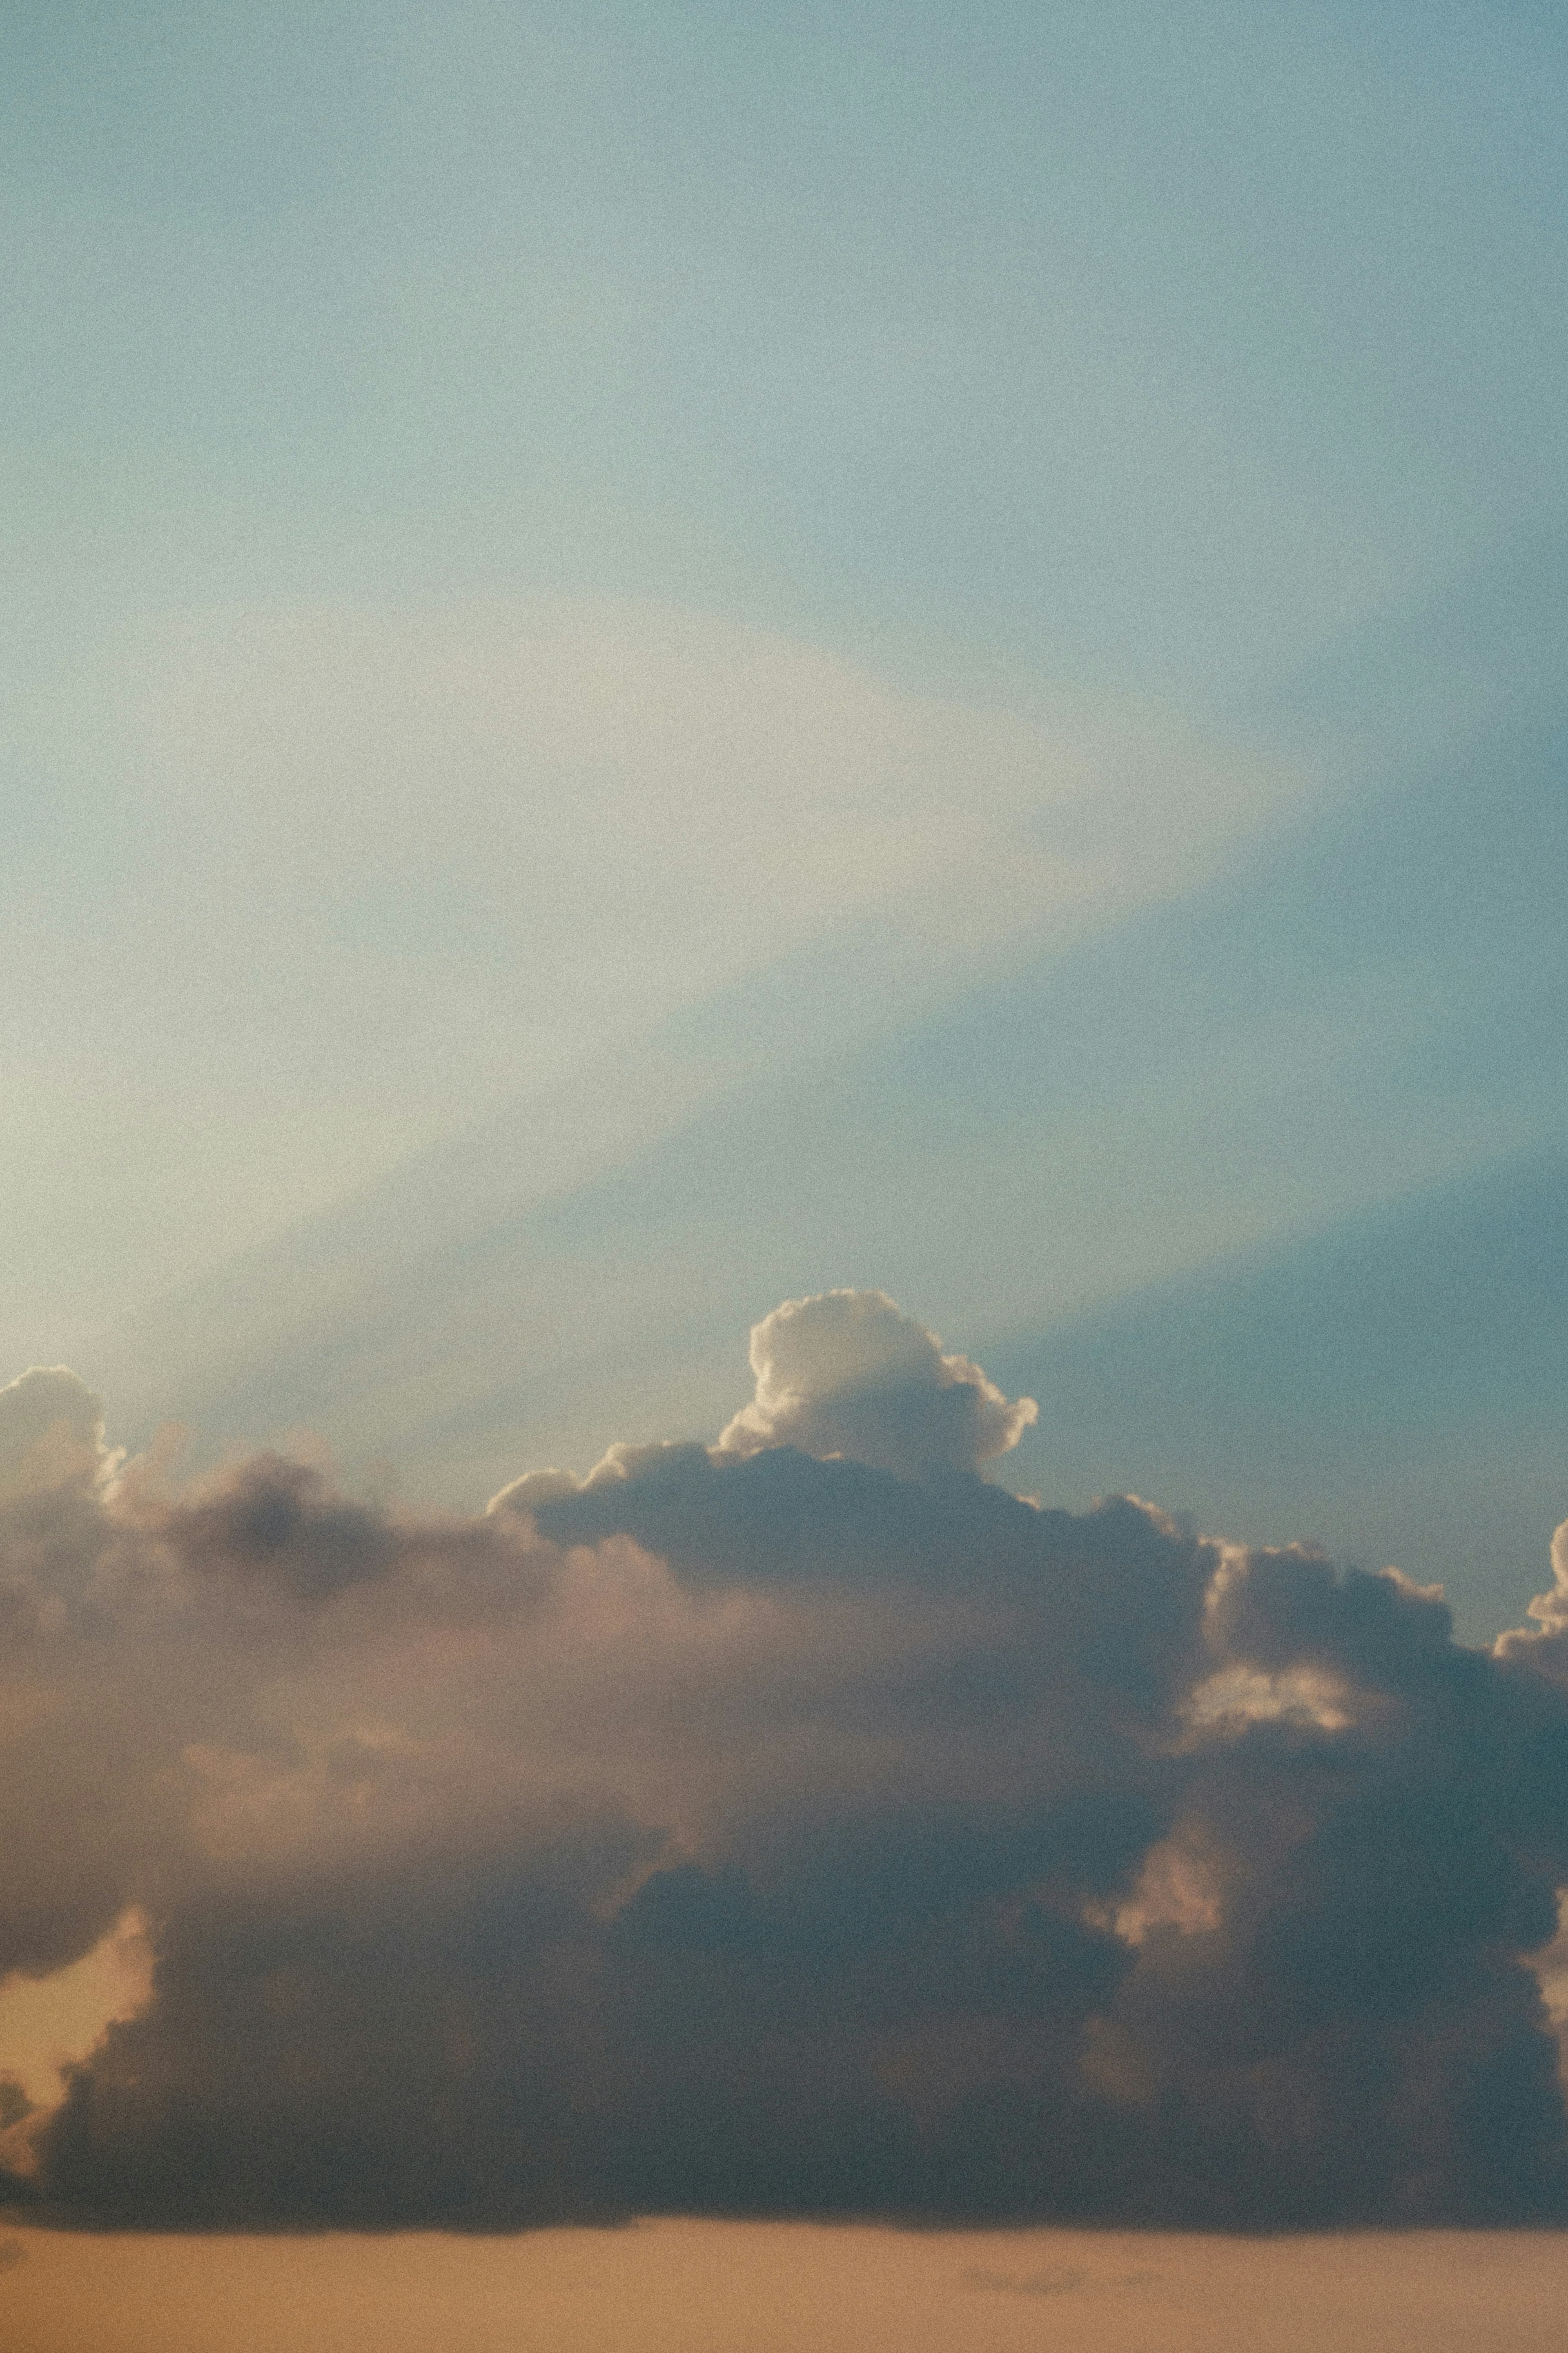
x: 847, y: 1374
x: 1546, y: 1652
x: 846, y: 1377
x: 51, y: 1432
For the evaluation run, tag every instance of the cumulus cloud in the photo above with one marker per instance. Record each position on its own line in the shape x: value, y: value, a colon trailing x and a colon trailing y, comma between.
x: 800, y: 1824
x: 1546, y: 1646
x: 847, y: 1374
x: 842, y: 1377
x: 51, y: 1431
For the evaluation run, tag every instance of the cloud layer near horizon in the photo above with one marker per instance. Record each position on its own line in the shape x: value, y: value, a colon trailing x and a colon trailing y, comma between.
x: 796, y: 1825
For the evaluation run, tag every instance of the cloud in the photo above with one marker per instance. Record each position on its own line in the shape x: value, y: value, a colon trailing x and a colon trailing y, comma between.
x: 51, y: 1431
x: 1058, y: 2279
x: 758, y: 1830
x: 847, y: 1374
x: 1547, y: 1648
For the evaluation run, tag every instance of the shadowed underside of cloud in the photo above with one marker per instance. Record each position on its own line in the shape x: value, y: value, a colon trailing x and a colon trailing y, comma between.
x: 797, y: 1825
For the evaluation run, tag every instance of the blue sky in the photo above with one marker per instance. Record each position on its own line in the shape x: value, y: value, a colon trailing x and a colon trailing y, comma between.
x: 663, y: 657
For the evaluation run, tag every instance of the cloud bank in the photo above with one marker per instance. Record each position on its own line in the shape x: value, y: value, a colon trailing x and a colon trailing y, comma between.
x: 796, y: 1825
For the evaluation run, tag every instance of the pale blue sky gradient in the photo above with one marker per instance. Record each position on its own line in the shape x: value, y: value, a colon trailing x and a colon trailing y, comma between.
x: 1035, y: 777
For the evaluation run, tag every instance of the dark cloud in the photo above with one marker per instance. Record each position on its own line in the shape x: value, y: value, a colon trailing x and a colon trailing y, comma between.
x: 765, y: 1829
x: 275, y: 1519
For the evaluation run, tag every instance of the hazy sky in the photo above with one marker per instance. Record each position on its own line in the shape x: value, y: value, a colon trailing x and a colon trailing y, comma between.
x: 711, y: 2287
x: 661, y: 658
x: 573, y: 573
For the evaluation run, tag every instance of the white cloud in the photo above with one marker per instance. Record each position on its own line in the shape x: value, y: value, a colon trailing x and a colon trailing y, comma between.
x: 51, y: 1431
x: 848, y: 1374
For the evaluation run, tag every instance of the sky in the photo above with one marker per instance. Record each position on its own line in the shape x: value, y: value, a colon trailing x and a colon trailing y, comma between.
x: 664, y: 660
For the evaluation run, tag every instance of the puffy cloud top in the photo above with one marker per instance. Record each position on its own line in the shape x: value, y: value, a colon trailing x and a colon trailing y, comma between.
x: 761, y: 1828
x: 847, y: 1374
x: 51, y: 1431
x: 1547, y: 1648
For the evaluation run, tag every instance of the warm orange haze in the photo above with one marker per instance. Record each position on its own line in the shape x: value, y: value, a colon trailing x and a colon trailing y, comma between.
x: 694, y: 2287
